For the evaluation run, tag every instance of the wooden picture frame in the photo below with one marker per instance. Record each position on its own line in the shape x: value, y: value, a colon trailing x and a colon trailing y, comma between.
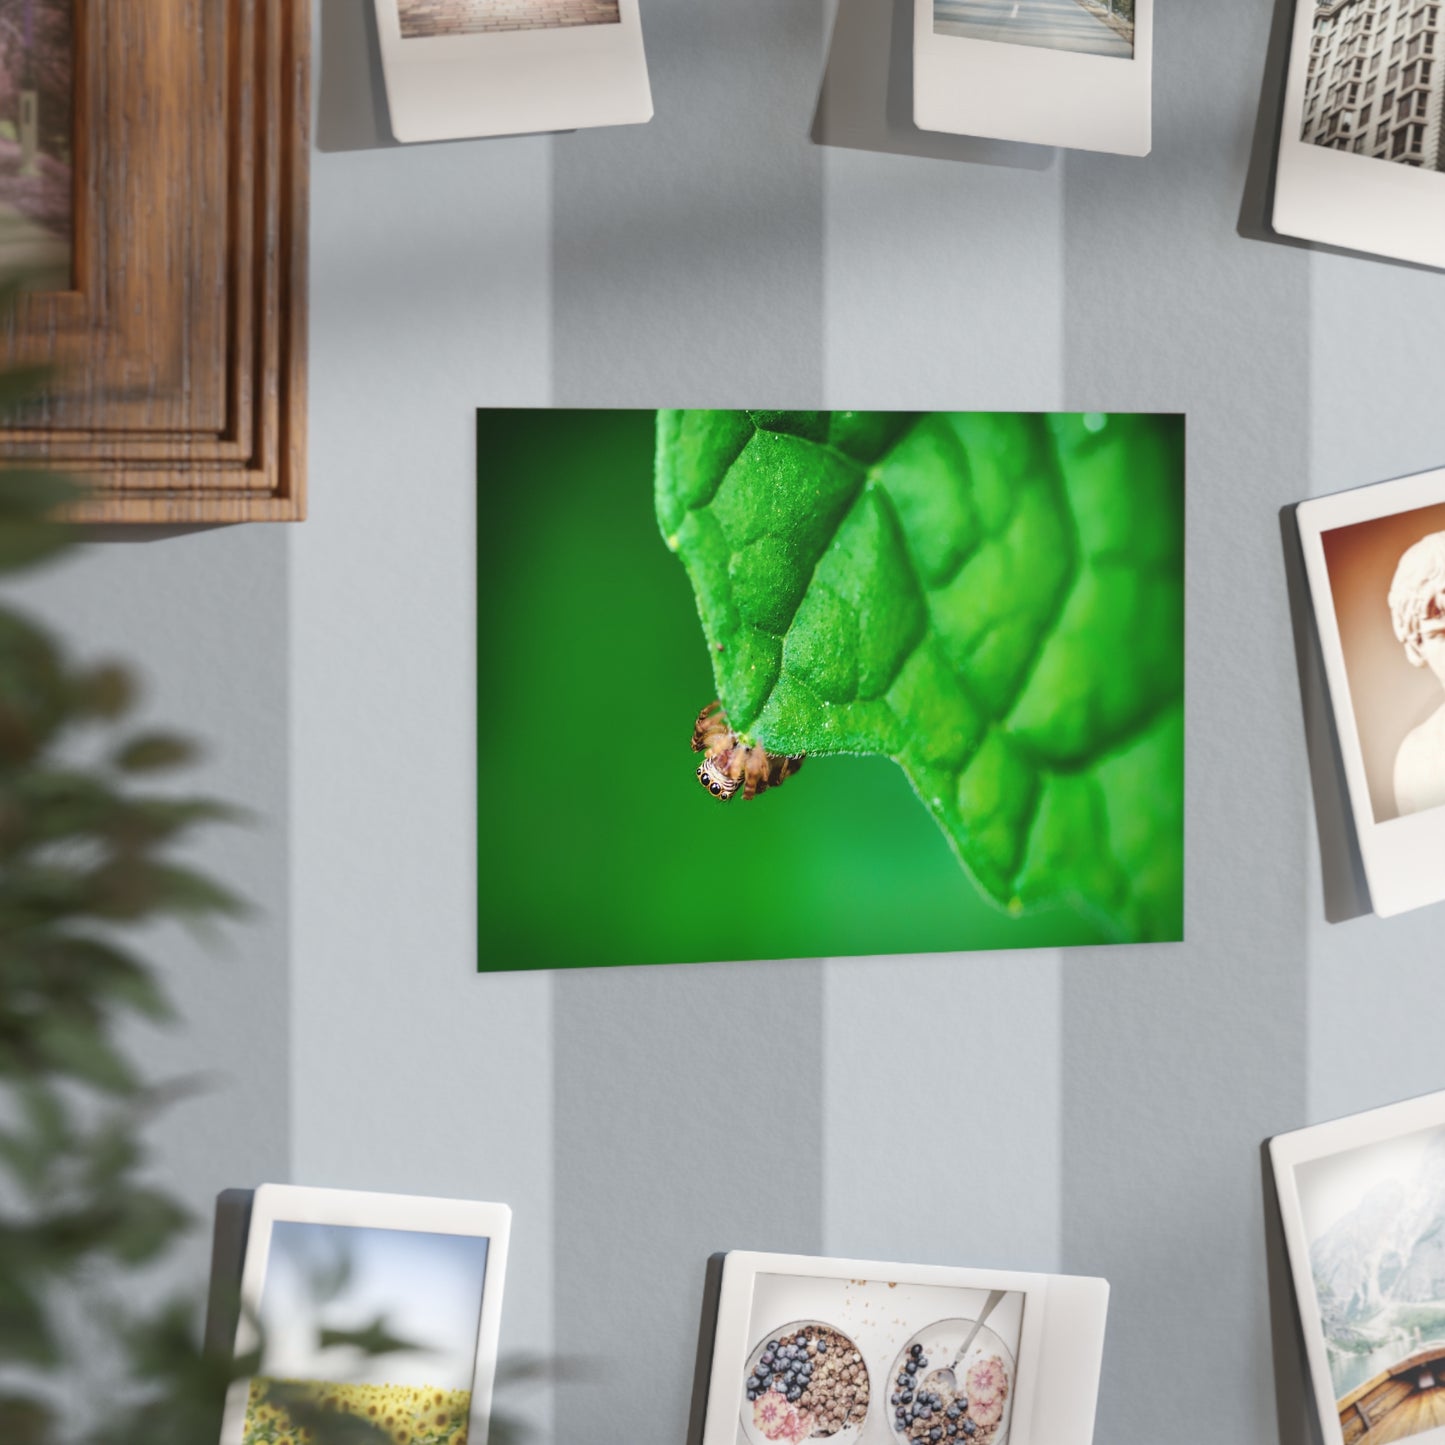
x: 178, y: 357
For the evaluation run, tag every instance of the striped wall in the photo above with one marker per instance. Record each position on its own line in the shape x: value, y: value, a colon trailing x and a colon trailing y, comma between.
x: 752, y: 245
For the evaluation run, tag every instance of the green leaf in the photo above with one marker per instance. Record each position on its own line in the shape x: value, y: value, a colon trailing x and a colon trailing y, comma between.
x: 146, y: 1222
x: 26, y: 1336
x: 106, y: 691
x: 153, y: 752
x: 89, y: 969
x: 995, y: 601
x: 66, y: 1045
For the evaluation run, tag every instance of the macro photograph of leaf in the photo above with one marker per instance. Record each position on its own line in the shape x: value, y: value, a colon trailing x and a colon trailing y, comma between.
x: 968, y: 626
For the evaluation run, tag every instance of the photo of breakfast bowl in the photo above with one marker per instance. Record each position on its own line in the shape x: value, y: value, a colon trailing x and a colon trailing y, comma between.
x: 952, y: 1384
x: 806, y: 1380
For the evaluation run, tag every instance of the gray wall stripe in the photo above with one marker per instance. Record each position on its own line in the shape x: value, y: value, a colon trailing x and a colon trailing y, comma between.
x: 687, y: 269
x: 1178, y: 1060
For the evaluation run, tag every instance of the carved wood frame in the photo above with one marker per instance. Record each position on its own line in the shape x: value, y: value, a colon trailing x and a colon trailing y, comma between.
x: 179, y: 355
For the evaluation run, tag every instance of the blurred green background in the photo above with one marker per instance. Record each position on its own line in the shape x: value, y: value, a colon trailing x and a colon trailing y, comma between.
x: 596, y: 845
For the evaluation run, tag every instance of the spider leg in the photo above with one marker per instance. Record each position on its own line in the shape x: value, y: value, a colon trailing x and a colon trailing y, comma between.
x: 710, y: 727
x: 755, y: 772
x: 767, y: 770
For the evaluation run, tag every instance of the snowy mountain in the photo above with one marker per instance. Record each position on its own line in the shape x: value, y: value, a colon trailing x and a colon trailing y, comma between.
x: 1387, y: 1251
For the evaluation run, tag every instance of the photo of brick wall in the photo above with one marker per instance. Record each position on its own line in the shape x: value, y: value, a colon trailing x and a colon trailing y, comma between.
x: 426, y: 18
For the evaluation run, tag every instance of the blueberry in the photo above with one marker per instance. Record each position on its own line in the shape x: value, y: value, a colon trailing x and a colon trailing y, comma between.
x: 801, y: 1340
x: 912, y: 1367
x: 902, y: 1379
x: 793, y: 1394
x: 953, y: 1429
x: 908, y: 1397
x: 772, y: 1344
x: 952, y: 1412
x: 915, y: 1350
x: 822, y: 1347
x: 752, y: 1394
x: 969, y: 1427
x: 893, y: 1398
x: 779, y: 1386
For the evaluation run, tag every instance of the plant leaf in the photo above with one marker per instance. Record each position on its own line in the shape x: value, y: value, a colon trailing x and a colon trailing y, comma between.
x: 995, y: 601
x: 152, y: 752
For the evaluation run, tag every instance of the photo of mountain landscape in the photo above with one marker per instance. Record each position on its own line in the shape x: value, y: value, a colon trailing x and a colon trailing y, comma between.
x: 1374, y: 1219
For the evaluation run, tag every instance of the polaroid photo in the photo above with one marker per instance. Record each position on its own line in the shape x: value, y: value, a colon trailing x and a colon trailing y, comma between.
x: 1073, y: 73
x: 1376, y: 564
x: 511, y: 67
x: 857, y: 1352
x: 330, y: 1273
x: 1362, y: 1201
x: 1362, y: 149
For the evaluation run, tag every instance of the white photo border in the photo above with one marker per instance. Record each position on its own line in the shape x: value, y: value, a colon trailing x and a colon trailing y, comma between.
x: 1360, y: 203
x: 516, y: 82
x: 1031, y: 93
x: 417, y: 1214
x: 1060, y: 1347
x: 1322, y: 1141
x: 1401, y: 855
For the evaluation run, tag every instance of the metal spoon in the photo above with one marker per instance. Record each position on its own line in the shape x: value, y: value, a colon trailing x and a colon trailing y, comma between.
x: 945, y: 1377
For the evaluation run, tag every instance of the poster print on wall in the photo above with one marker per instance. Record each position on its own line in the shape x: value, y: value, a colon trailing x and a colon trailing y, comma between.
x: 1362, y: 148
x: 1362, y: 1200
x: 1376, y: 564
x: 1074, y: 73
x: 947, y: 655
x: 860, y: 1352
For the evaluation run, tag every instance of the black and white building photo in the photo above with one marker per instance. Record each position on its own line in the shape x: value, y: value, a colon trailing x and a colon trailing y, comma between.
x: 1374, y: 84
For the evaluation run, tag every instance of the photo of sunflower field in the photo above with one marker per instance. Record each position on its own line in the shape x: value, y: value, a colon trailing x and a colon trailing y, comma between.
x: 366, y: 1326
x: 409, y: 1414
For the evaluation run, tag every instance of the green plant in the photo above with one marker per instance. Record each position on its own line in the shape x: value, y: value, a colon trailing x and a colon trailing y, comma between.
x: 87, y: 860
x: 995, y: 601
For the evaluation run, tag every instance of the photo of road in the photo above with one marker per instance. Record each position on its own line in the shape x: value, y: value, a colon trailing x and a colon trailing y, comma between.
x: 1089, y: 27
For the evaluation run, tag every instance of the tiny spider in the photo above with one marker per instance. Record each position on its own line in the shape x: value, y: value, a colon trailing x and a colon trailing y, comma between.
x: 730, y: 764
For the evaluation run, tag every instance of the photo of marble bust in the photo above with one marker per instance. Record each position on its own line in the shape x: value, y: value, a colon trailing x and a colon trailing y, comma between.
x: 1387, y: 586
x: 1417, y: 612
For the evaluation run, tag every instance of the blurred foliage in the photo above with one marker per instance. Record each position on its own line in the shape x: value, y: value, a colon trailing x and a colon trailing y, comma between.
x: 86, y: 863
x: 993, y: 600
